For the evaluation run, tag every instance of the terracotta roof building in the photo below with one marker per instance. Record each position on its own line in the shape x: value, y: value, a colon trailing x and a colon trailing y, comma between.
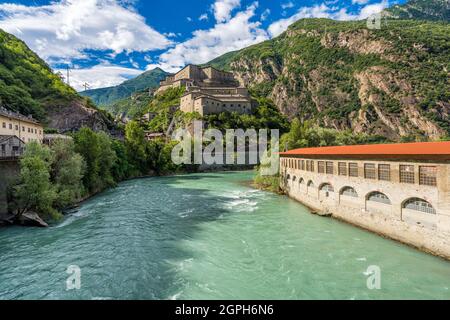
x: 398, y: 190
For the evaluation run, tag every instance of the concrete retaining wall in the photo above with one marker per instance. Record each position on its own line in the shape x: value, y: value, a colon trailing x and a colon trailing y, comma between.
x: 9, y: 172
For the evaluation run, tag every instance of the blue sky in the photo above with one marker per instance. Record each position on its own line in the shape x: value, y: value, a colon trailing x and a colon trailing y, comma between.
x: 108, y: 41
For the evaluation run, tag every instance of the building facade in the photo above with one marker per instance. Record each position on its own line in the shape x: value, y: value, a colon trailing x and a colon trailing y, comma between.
x: 11, y: 147
x: 401, y: 191
x: 209, y: 91
x: 216, y: 100
x: 25, y: 128
x: 193, y: 75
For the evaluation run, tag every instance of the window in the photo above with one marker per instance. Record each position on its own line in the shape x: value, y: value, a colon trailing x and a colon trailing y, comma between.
x: 10, y: 126
x: 330, y: 167
x: 321, y: 167
x: 303, y: 165
x: 308, y: 165
x: 384, y: 172
x: 17, y: 127
x: 294, y: 179
x: 23, y: 129
x: 379, y: 197
x: 407, y: 174
x: 419, y: 205
x: 370, y: 171
x: 310, y: 184
x: 312, y: 166
x: 349, y: 192
x: 302, y: 181
x: 353, y: 170
x: 4, y: 125
x: 428, y: 176
x: 327, y: 188
x: 342, y: 166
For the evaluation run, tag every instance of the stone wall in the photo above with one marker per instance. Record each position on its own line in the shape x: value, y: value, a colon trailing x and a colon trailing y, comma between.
x: 429, y: 232
x: 9, y: 171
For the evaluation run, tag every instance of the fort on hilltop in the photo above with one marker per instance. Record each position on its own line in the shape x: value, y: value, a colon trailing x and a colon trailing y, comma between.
x: 208, y: 91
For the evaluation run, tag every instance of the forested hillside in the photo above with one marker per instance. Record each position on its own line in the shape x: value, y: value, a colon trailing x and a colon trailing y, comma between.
x: 392, y: 82
x: 28, y: 86
x: 107, y: 97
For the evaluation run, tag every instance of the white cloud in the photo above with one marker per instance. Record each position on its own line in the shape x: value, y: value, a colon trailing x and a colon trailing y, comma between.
x: 265, y: 14
x: 287, y: 5
x: 65, y: 29
x: 237, y: 33
x: 324, y: 11
x: 371, y: 9
x: 360, y: 2
x: 100, y: 76
x: 223, y: 8
x: 203, y: 17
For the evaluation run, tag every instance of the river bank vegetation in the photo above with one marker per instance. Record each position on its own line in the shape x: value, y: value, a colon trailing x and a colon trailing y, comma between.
x: 53, y: 178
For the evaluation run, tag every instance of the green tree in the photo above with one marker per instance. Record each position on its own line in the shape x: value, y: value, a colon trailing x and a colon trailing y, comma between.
x: 35, y: 191
x: 86, y: 144
x: 68, y: 168
x: 136, y: 145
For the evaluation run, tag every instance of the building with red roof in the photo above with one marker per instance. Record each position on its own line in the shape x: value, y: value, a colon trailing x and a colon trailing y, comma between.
x: 401, y: 190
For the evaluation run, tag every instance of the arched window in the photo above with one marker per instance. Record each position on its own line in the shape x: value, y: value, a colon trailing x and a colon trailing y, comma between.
x: 294, y: 179
x: 302, y: 181
x: 310, y: 184
x: 289, y: 177
x: 349, y: 192
x: 327, y: 187
x: 379, y: 197
x: 419, y: 205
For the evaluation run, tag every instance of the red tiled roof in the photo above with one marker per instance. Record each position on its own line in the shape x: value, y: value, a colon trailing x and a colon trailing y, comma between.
x: 417, y: 150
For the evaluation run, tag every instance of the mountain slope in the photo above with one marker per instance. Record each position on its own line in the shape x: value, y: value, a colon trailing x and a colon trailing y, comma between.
x: 432, y: 10
x: 393, y: 82
x: 107, y: 96
x: 28, y: 86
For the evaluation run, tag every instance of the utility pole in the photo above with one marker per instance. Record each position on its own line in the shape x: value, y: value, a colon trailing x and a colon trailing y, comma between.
x: 86, y: 86
x: 68, y: 75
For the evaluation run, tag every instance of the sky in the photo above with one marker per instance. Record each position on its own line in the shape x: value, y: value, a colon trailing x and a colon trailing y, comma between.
x: 105, y: 42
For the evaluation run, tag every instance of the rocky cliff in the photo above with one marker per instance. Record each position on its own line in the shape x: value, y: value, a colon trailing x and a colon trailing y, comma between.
x: 393, y: 81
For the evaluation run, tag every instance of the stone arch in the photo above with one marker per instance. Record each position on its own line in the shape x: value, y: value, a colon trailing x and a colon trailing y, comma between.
x: 348, y: 191
x: 418, y: 204
x: 294, y: 178
x: 380, y: 197
x: 301, y: 181
x: 328, y: 187
x: 310, y: 186
x: 325, y: 191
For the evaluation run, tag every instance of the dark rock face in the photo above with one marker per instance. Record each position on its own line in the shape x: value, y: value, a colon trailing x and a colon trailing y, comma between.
x: 75, y: 115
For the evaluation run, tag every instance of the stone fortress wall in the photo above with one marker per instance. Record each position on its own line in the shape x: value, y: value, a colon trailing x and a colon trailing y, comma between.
x: 209, y: 91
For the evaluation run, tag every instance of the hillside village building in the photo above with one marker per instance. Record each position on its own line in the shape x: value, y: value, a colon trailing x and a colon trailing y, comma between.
x: 401, y: 190
x: 209, y: 91
x: 17, y: 130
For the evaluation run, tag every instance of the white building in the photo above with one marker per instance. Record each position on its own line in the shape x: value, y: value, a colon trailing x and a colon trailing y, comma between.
x: 400, y: 190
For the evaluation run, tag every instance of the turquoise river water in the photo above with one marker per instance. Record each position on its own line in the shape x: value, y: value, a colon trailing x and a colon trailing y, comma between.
x: 209, y: 236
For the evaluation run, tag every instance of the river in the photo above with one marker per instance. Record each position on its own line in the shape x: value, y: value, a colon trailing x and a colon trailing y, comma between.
x: 209, y: 236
